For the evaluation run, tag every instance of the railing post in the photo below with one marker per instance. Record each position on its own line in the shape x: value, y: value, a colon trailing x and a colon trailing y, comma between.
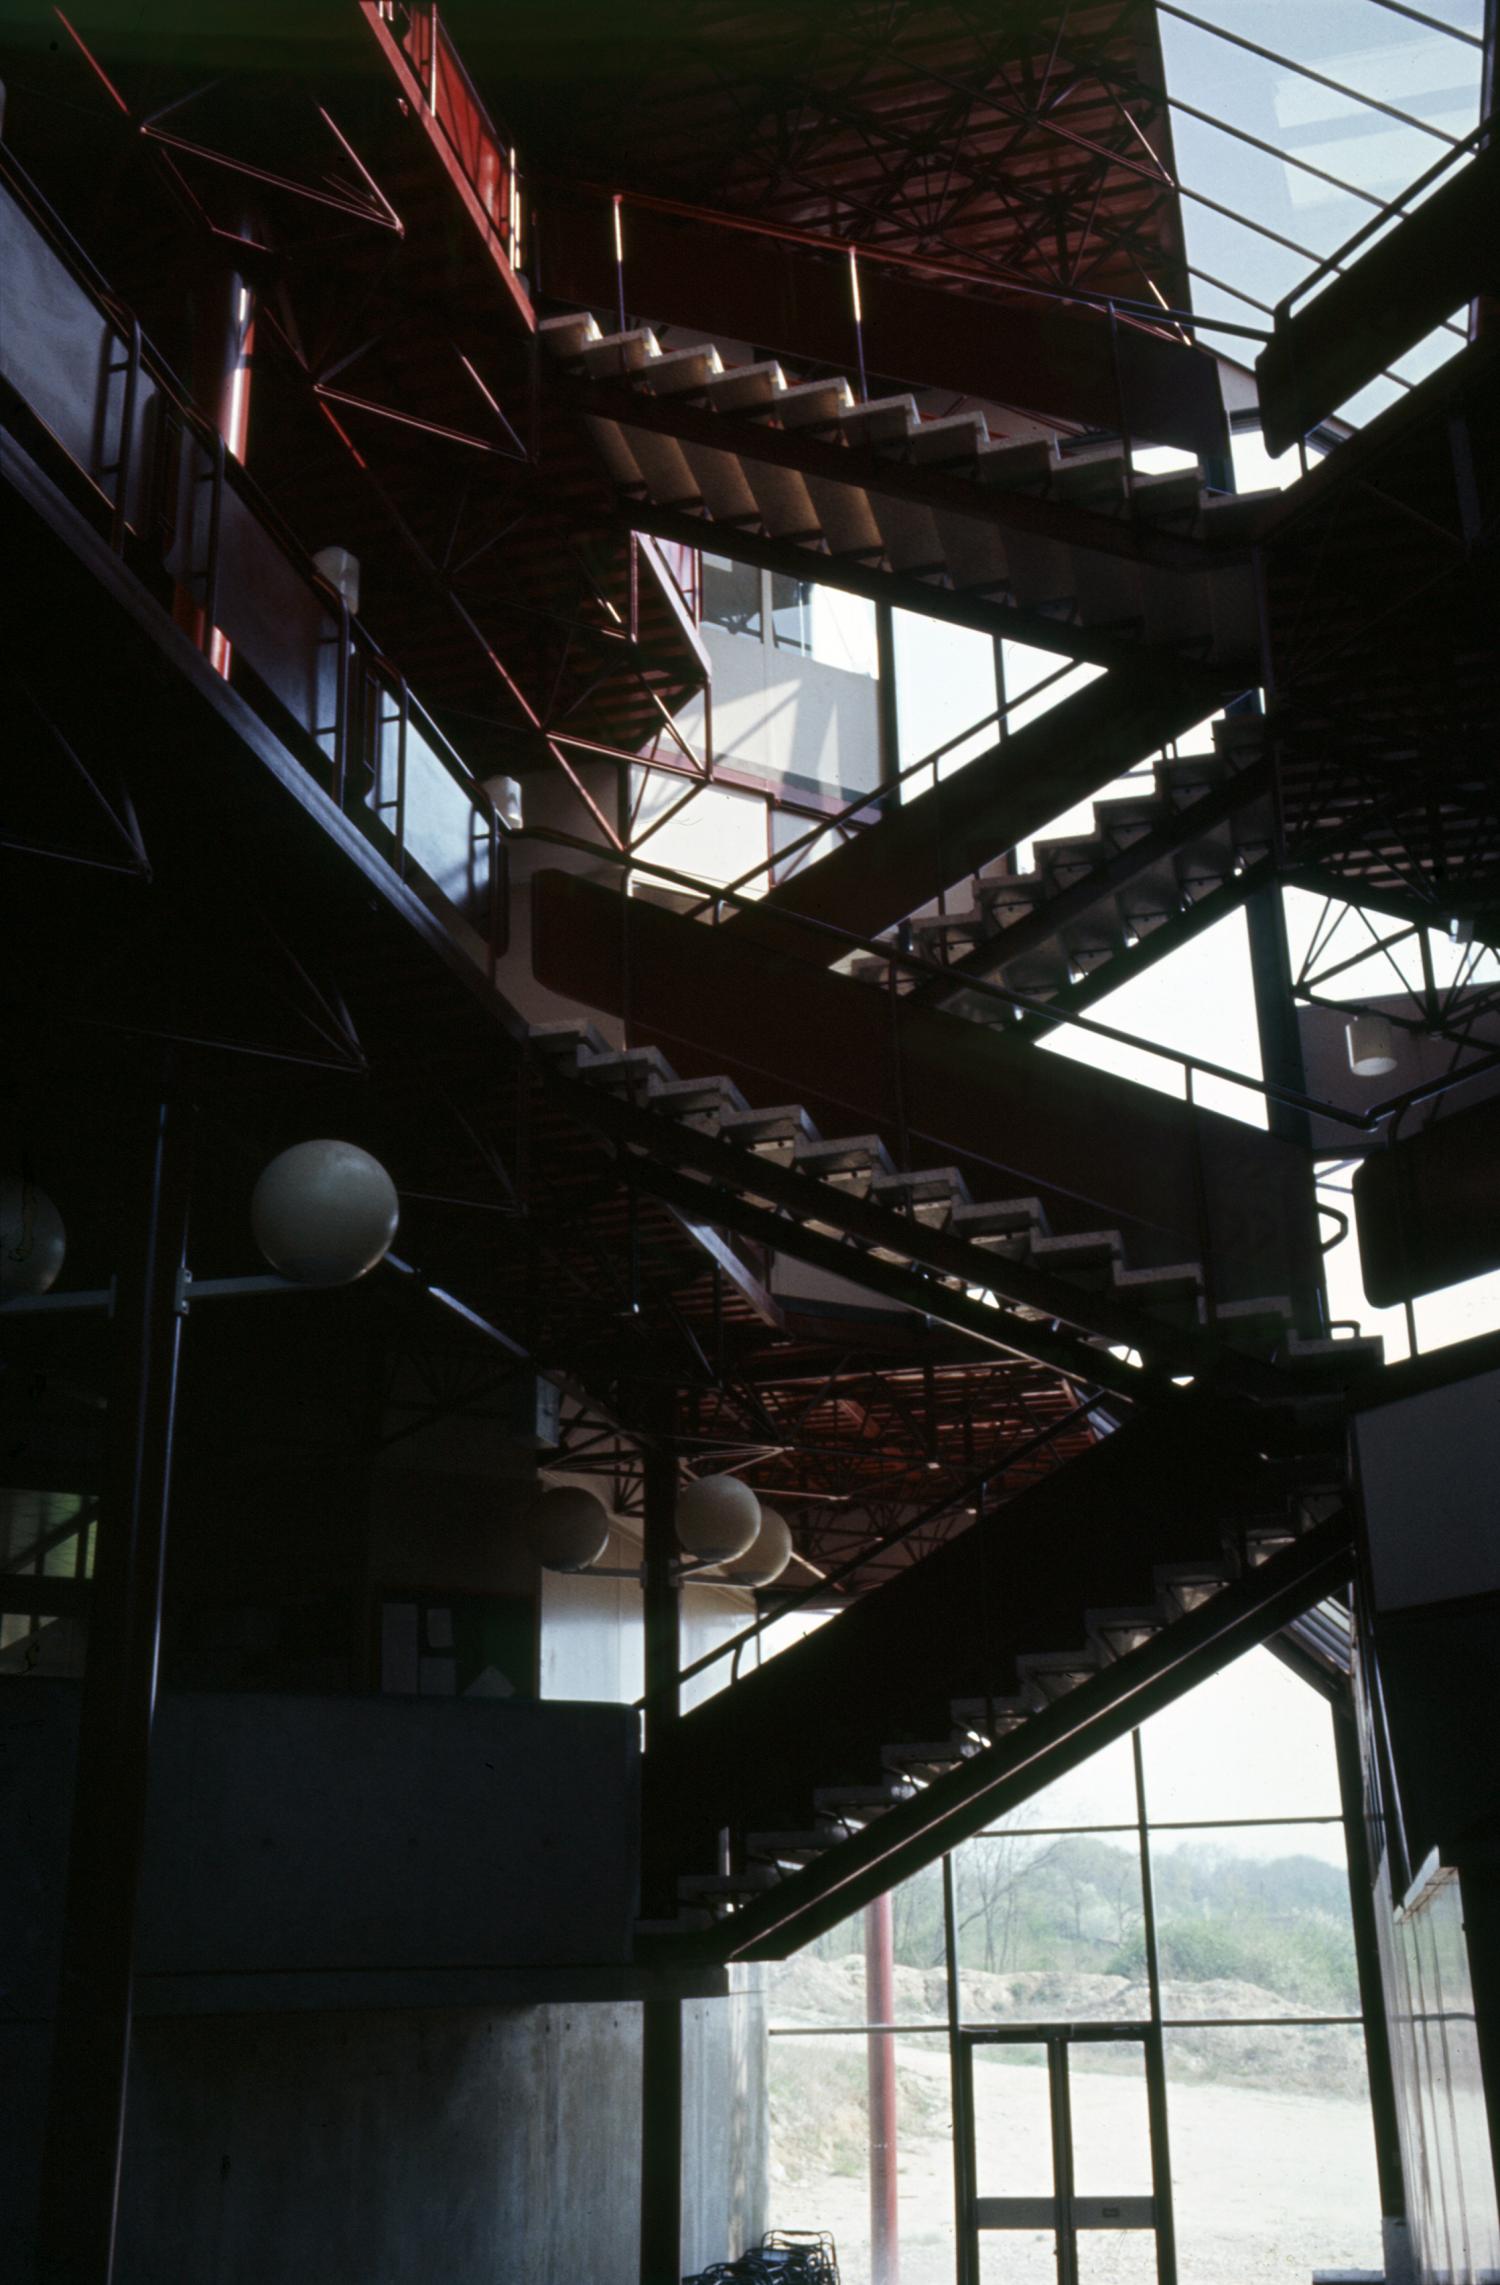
x: 125, y: 457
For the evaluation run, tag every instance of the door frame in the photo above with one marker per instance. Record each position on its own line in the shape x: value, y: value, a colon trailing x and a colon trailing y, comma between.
x: 1060, y: 2211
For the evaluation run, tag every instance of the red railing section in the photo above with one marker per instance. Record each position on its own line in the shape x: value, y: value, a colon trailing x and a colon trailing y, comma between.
x: 482, y: 154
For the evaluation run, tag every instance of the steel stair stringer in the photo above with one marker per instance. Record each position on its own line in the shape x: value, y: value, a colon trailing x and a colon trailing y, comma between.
x: 781, y: 1916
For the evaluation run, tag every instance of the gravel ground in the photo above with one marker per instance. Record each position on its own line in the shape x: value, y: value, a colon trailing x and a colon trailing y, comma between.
x: 1270, y: 2184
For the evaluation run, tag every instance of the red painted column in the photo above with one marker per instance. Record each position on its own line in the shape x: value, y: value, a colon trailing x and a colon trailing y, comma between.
x: 885, y: 2250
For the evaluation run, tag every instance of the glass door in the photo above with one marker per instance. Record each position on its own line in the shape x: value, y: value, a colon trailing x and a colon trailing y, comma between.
x: 1061, y: 2158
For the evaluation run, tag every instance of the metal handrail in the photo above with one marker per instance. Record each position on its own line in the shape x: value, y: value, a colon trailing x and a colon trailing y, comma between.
x: 1151, y: 317
x: 888, y: 786
x: 1394, y: 206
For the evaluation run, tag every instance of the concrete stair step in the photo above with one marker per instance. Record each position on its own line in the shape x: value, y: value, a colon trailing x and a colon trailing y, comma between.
x: 1046, y: 1675
x: 726, y: 1887
x: 858, y: 1803
x: 772, y: 1133
x: 848, y: 1162
x: 932, y: 1195
x: 1186, y: 1587
x: 988, y: 1718
x: 1117, y: 1632
x: 931, y: 1759
x: 636, y: 1071
x: 564, y: 1043
x: 793, y: 1848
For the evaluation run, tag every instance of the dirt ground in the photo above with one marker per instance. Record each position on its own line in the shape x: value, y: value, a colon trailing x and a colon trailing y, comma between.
x: 1269, y: 2184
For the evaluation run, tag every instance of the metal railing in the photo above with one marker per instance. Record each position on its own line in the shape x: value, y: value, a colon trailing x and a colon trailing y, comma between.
x: 482, y: 153
x: 1395, y: 209
x: 178, y: 509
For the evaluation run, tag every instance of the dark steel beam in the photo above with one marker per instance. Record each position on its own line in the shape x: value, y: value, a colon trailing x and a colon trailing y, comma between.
x: 1440, y: 256
x: 922, y: 848
x: 1024, y: 936
x: 1162, y: 942
x: 1048, y: 1744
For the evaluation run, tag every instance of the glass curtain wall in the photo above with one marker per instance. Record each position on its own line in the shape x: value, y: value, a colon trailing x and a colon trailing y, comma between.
x: 1230, y: 1810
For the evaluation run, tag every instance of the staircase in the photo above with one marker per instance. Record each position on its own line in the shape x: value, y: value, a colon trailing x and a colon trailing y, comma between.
x: 937, y: 1089
x: 993, y: 1267
x: 1070, y: 539
x: 963, y: 1685
x: 1201, y: 822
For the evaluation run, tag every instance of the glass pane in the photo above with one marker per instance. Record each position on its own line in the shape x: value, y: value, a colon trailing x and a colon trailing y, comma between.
x: 945, y: 685
x: 821, y: 2112
x: 1198, y: 1000
x: 1252, y: 1742
x: 824, y: 624
x: 1017, y: 2257
x: 1111, y: 2124
x: 1101, y: 1791
x: 34, y: 1526
x: 827, y: 1982
x: 1273, y: 2162
x: 709, y: 834
x: 1254, y: 1922
x: 731, y: 595
x: 1012, y: 2121
x: 1117, y: 2257
x: 1049, y: 1928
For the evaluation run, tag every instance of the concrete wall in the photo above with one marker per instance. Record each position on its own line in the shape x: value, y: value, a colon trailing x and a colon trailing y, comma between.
x: 388, y: 2148
x: 365, y: 2144
x: 307, y: 1834
x: 725, y: 2123
x: 780, y: 714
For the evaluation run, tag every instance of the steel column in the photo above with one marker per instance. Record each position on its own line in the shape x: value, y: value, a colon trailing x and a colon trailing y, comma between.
x: 885, y: 2222
x: 86, y: 2109
x: 1282, y: 1066
x: 967, y: 2262
x: 661, y: 2141
x: 1156, y: 2061
x: 1372, y: 2002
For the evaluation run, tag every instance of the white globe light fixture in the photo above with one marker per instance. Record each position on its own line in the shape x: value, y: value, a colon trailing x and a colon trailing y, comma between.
x: 1372, y: 1046
x: 717, y: 1519
x: 33, y: 1240
x: 324, y: 1213
x: 768, y: 1555
x: 567, y: 1529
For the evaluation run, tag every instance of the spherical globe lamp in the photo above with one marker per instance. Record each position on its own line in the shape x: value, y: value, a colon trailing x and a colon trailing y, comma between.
x: 717, y: 1519
x: 32, y: 1239
x: 769, y: 1553
x: 567, y: 1529
x: 324, y: 1213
